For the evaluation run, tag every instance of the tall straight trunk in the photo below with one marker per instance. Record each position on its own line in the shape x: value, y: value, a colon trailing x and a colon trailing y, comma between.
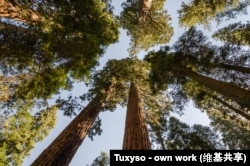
x: 136, y: 134
x: 235, y: 93
x: 61, y: 151
x: 15, y: 11
x: 144, y: 8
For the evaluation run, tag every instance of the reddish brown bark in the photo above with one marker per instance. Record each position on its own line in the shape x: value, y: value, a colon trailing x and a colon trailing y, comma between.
x: 16, y: 12
x: 61, y: 151
x: 63, y: 148
x: 136, y: 134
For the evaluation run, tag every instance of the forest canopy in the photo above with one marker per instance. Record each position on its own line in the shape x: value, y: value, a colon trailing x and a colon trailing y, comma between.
x: 68, y: 58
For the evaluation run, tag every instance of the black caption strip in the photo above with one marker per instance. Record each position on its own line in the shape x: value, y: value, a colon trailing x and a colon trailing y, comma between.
x: 174, y: 157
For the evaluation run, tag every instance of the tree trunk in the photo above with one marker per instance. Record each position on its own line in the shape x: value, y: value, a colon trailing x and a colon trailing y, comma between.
x: 136, y: 134
x: 235, y: 110
x: 233, y: 67
x: 61, y: 151
x: 219, y: 65
x: 13, y: 28
x: 14, y: 10
x: 144, y: 7
x: 235, y: 93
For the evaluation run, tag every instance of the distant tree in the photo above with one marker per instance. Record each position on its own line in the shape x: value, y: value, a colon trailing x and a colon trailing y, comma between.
x: 176, y: 135
x: 147, y: 23
x: 209, y: 101
x: 233, y: 135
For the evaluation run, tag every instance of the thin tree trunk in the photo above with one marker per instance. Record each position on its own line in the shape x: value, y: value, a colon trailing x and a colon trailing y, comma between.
x: 61, y: 151
x: 16, y: 12
x: 235, y: 93
x: 144, y: 8
x: 136, y: 134
x: 220, y: 65
x: 12, y: 28
x: 237, y: 111
x: 233, y: 67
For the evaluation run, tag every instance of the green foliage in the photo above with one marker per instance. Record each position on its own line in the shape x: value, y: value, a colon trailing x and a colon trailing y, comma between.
x: 175, y: 135
x: 236, y: 33
x: 232, y: 13
x: 21, y: 131
x: 44, y: 85
x: 207, y: 100
x: 202, y: 11
x: 66, y: 42
x: 192, y: 52
x: 102, y: 160
x: 119, y: 73
x: 233, y: 136
x: 154, y: 31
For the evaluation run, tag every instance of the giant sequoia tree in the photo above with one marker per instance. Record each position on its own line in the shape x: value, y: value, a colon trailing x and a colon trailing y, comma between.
x: 196, y: 59
x: 110, y: 87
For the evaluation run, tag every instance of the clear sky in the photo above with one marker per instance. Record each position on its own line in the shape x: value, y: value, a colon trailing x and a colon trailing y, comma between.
x: 113, y: 122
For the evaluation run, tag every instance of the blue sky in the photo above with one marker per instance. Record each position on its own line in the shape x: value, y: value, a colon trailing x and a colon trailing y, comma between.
x: 113, y: 122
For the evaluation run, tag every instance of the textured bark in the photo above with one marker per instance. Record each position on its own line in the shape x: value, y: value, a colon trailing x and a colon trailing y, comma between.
x: 144, y: 8
x: 13, y: 10
x: 63, y: 148
x: 235, y: 93
x: 136, y: 134
x: 61, y: 151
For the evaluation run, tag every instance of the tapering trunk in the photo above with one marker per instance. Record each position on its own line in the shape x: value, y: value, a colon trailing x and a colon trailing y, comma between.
x: 13, y: 10
x: 136, y: 134
x: 144, y: 8
x: 63, y: 148
x: 242, y: 96
x: 61, y: 151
